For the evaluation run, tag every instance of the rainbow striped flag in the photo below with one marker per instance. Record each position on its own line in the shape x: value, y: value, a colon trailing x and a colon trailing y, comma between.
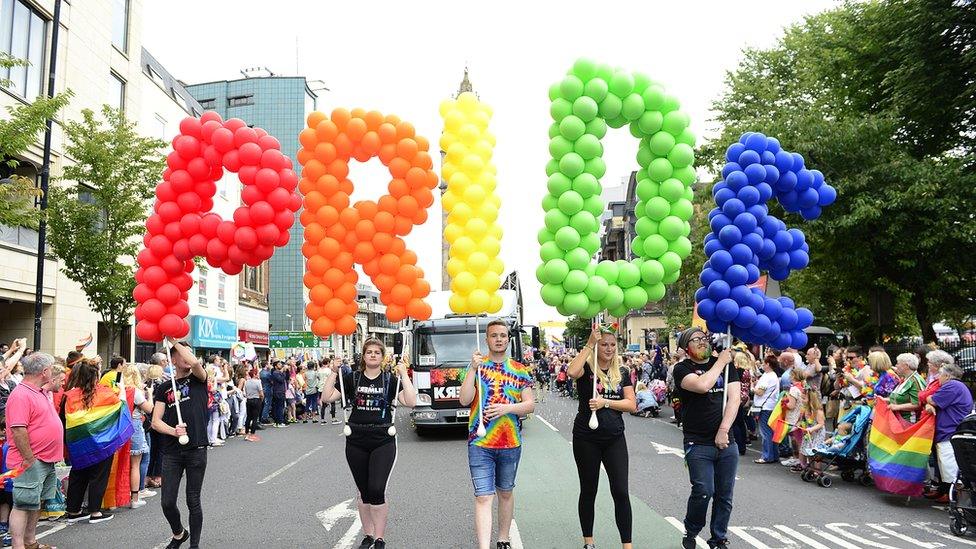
x: 898, y: 451
x: 777, y: 420
x: 94, y: 434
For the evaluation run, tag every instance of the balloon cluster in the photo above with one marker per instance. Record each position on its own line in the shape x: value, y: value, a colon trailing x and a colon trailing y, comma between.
x: 472, y: 205
x: 368, y: 233
x: 745, y: 239
x: 587, y: 100
x: 182, y: 226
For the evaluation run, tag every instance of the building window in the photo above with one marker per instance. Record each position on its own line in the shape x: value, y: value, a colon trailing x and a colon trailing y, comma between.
x: 155, y: 76
x: 208, y: 104
x: 160, y: 127
x: 221, y: 287
x: 116, y: 91
x: 240, y: 101
x: 120, y: 24
x: 23, y: 35
x: 254, y: 278
x: 202, y: 286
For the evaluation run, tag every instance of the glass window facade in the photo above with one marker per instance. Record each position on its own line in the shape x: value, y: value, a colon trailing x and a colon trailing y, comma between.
x: 116, y: 91
x: 120, y: 24
x: 23, y: 35
x: 202, y: 286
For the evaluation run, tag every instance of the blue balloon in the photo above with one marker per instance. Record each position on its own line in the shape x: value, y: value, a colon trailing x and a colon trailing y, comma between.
x: 818, y: 178
x: 783, y: 241
x: 804, y: 318
x: 770, y: 226
x: 772, y: 145
x: 768, y: 250
x: 744, y: 136
x: 811, y: 213
x: 753, y: 273
x: 756, y: 173
x: 788, y: 201
x: 741, y: 253
x: 746, y: 317
x: 765, y: 192
x: 733, y: 207
x: 712, y: 246
x: 726, y: 310
x: 772, y: 308
x: 798, y: 237
x: 756, y: 142
x: 729, y: 168
x: 759, y: 211
x: 718, y: 186
x: 774, y: 330
x: 748, y: 157
x: 782, y: 341
x: 719, y: 221
x: 708, y: 276
x: 737, y: 275
x: 784, y: 161
x: 700, y: 294
x: 797, y: 161
x: 718, y: 290
x: 723, y: 195
x: 753, y: 241
x: 780, y: 261
x: 757, y: 301
x: 746, y: 222
x: 786, y: 302
x: 828, y: 195
x: 807, y: 199
x: 798, y: 260
x: 713, y: 212
x: 721, y: 260
x: 729, y: 236
x: 767, y: 158
x: 749, y: 196
x: 772, y: 173
x: 706, y: 308
x: 786, y: 182
x: 741, y: 295
x: 787, y: 318
x: 733, y: 152
x: 736, y: 180
x: 798, y: 339
x: 804, y: 180
x: 779, y: 274
x: 761, y: 326
x: 715, y: 325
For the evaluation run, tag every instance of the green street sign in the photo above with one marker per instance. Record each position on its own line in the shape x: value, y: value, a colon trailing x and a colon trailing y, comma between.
x: 295, y: 340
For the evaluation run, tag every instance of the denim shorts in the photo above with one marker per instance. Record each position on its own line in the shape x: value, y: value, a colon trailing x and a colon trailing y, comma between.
x: 36, y: 484
x: 493, y: 468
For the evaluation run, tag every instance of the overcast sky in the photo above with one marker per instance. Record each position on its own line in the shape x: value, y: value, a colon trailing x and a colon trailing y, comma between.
x: 406, y: 57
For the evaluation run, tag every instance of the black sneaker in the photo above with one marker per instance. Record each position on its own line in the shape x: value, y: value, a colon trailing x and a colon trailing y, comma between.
x: 75, y: 517
x: 367, y: 543
x: 719, y: 544
x: 503, y: 545
x: 174, y: 543
x: 104, y: 517
x: 688, y: 542
x: 379, y: 544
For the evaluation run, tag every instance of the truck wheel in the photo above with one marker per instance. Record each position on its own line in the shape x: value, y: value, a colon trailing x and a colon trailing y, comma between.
x: 422, y: 431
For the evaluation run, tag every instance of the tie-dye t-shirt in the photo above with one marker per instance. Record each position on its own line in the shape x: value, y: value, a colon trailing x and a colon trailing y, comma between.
x: 501, y: 383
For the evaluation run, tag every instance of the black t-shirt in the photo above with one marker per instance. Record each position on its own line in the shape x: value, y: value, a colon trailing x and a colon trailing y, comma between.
x: 371, y: 401
x: 701, y: 414
x: 279, y: 383
x: 611, y: 421
x: 194, y: 397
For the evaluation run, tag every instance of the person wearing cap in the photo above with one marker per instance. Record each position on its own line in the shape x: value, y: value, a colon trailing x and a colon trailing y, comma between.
x: 701, y: 379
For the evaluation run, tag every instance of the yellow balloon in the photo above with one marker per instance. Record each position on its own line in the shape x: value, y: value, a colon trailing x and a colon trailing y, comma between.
x: 474, y: 194
x: 495, y: 303
x: 497, y: 266
x: 461, y: 213
x: 458, y: 303
x: 490, y: 246
x: 478, y: 263
x: 445, y: 107
x: 454, y: 121
x: 479, y: 300
x: 489, y: 281
x: 495, y: 231
x: 447, y: 139
x: 486, y: 211
x: 448, y: 170
x: 463, y: 247
x: 464, y: 282
x: 457, y: 152
x: 458, y: 182
x: 452, y: 231
x: 476, y: 228
x: 455, y: 266
x: 448, y: 200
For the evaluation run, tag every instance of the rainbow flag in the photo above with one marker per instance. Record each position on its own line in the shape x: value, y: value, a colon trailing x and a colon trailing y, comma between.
x: 898, y: 451
x: 94, y: 434
x: 777, y: 420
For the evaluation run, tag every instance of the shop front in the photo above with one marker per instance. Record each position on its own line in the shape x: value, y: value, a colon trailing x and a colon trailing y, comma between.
x: 212, y: 336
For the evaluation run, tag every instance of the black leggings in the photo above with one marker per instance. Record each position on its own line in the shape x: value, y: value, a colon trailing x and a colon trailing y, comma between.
x: 371, y: 462
x: 253, y: 415
x: 614, y: 457
x: 94, y: 479
x: 192, y: 461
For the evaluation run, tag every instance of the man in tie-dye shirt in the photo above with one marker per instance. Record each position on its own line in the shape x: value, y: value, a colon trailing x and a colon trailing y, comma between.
x: 502, y: 396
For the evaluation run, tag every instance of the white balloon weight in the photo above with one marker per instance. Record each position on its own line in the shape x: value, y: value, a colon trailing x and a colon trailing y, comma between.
x: 184, y: 440
x: 481, y: 429
x: 391, y: 431
x: 594, y: 422
x: 346, y: 430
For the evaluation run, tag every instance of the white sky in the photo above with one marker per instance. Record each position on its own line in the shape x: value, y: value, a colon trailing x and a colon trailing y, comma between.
x: 406, y: 57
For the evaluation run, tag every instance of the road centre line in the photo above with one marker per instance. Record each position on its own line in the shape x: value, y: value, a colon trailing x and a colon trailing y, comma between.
x: 550, y: 425
x: 290, y: 465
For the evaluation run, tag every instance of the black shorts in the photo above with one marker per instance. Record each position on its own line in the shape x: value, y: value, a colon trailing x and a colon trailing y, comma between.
x: 6, y: 498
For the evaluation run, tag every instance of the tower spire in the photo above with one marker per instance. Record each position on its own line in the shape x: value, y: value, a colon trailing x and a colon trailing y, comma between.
x: 465, y: 85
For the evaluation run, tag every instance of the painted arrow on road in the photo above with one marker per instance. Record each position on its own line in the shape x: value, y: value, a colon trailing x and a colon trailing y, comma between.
x: 332, y: 516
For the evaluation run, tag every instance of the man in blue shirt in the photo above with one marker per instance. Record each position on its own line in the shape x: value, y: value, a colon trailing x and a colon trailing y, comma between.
x: 265, y: 376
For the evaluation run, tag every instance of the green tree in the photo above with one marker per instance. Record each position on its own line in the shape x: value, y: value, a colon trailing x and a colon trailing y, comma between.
x: 577, y: 330
x: 879, y: 97
x: 96, y: 219
x: 18, y: 131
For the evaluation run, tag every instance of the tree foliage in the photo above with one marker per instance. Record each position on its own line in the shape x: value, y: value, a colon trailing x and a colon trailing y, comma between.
x: 879, y: 96
x: 577, y: 330
x: 96, y: 219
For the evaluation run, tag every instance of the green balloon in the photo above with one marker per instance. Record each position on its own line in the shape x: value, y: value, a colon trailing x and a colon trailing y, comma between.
x: 572, y: 127
x: 689, y: 194
x: 545, y: 235
x: 588, y: 146
x: 682, y: 209
x: 589, y: 269
x: 637, y: 246
x: 592, y: 310
x: 553, y: 294
x: 590, y: 243
x: 619, y: 311
x: 575, y: 282
x: 570, y: 202
x: 549, y: 251
x: 540, y: 274
x: 614, y: 297
x: 560, y: 109
x: 595, y: 167
x: 571, y: 87
x: 549, y: 202
x: 552, y: 166
x: 576, y: 303
x: 675, y: 122
x: 597, y: 127
x: 686, y: 175
x: 671, y: 278
x: 604, y: 72
x: 567, y: 238
x: 596, y: 88
x: 657, y: 208
x: 660, y: 143
x: 686, y: 229
x: 653, y: 97
x: 608, y: 270
x: 671, y: 262
x: 635, y: 297
x: 553, y: 130
x: 621, y: 83
x: 571, y: 165
x: 617, y: 122
x: 563, y: 310
x: 655, y: 292
x: 556, y: 271
x: 658, y: 170
x: 639, y: 209
x: 632, y: 107
x: 634, y: 129
x: 578, y: 258
x: 652, y: 271
x: 584, y: 222
x: 655, y: 245
x: 610, y: 107
x: 645, y: 227
x: 584, y: 69
x: 559, y: 183
x: 585, y: 108
x: 555, y: 220
x: 671, y: 189
x: 594, y: 205
x: 671, y: 103
x: 687, y: 137
x: 596, y: 288
x: 671, y: 227
x: 554, y: 92
x: 681, y: 155
x: 628, y: 275
x: 680, y: 246
x: 559, y: 146
x: 641, y: 82
x: 650, y: 122
x: 644, y: 156
x: 587, y: 185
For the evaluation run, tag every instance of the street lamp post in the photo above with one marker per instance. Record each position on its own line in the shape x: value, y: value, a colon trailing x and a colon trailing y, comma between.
x: 292, y: 321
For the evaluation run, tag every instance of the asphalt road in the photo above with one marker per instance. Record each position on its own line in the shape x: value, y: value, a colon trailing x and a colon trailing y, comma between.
x: 293, y: 489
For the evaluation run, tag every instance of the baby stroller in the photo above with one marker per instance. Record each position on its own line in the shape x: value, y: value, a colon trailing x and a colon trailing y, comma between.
x: 962, y: 502
x: 850, y: 458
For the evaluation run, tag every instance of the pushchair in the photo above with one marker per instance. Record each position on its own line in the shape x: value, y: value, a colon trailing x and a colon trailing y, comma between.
x: 851, y: 458
x: 962, y: 493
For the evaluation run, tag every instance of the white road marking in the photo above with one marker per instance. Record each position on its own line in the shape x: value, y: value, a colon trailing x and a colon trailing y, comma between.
x: 663, y: 450
x: 515, y: 535
x: 681, y: 528
x: 549, y: 425
x: 839, y: 527
x: 330, y: 518
x: 53, y: 529
x: 924, y: 526
x: 748, y: 538
x: 803, y: 538
x: 917, y: 543
x: 830, y: 537
x: 290, y: 465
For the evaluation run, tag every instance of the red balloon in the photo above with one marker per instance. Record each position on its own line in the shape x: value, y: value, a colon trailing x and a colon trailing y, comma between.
x: 153, y: 310
x: 168, y: 294
x: 165, y: 192
x: 171, y: 264
x: 267, y: 180
x: 251, y: 194
x: 249, y: 154
x: 236, y: 256
x: 169, y: 212
x: 190, y: 223
x: 280, y: 199
x: 175, y: 162
x: 223, y: 140
x: 232, y: 160
x: 141, y: 293
x: 245, y: 238
x: 262, y: 213
x: 216, y: 250
x: 190, y: 126
x: 225, y: 232
x: 268, y: 142
x: 267, y: 234
x: 247, y: 173
x: 209, y: 224
x: 148, y: 331
x: 186, y: 146
x: 146, y: 258
x: 180, y: 308
x: 155, y: 276
x: 198, y: 245
x: 173, y: 232
x: 242, y: 217
x: 173, y: 325
x: 243, y: 135
x: 184, y: 282
x: 154, y: 225
x: 181, y: 251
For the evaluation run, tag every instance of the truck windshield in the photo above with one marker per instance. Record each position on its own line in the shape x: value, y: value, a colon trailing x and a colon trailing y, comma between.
x: 440, y: 348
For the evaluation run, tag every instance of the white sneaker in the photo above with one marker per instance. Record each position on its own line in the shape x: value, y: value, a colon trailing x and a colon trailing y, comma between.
x: 136, y: 504
x: 790, y: 462
x: 218, y: 442
x: 146, y: 493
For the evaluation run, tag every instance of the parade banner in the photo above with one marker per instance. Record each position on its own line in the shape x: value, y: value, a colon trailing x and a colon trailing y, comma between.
x: 898, y: 451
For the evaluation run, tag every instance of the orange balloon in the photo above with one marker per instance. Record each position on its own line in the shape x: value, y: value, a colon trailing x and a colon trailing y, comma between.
x: 384, y: 222
x: 420, y: 288
x: 346, y: 325
x: 373, y: 119
x: 352, y: 277
x: 343, y: 261
x: 358, y: 112
x: 339, y: 201
x: 343, y: 145
x: 387, y: 203
x: 314, y: 119
x: 317, y: 265
x: 346, y: 186
x: 403, y: 225
x: 384, y: 282
x: 399, y: 188
x: 424, y: 197
x: 389, y: 264
x: 419, y: 218
x: 338, y: 168
x: 356, y: 129
x: 340, y: 117
x: 372, y: 267
x: 409, y: 257
x: 349, y: 217
x: 328, y: 248
x: 416, y: 178
x: 351, y: 240
x: 361, y: 154
x: 325, y: 152
x: 352, y: 308
x: 314, y: 233
x: 313, y: 201
x: 313, y: 169
x: 406, y: 275
x: 423, y: 160
x: 395, y: 312
x: 323, y: 326
x: 335, y: 308
x: 398, y: 247
x: 401, y: 294
x: 308, y: 219
x: 387, y: 153
x: 407, y: 206
x: 304, y: 155
x: 382, y: 241
x: 304, y: 185
x: 320, y: 294
x: 399, y: 167
x: 313, y: 310
x: 367, y: 209
x: 423, y: 144
x: 308, y: 138
x: 327, y: 184
x: 308, y: 250
x: 311, y: 280
x: 365, y: 229
x: 363, y: 252
x: 326, y: 130
x: 336, y: 231
x: 387, y: 133
x: 346, y: 292
x: 405, y: 130
x: 333, y: 277
x: 407, y: 148
x: 392, y: 119
x: 416, y: 308
x: 326, y: 216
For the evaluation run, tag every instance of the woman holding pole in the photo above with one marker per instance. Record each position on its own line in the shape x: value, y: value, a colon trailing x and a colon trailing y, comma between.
x: 371, y: 448
x: 598, y: 431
